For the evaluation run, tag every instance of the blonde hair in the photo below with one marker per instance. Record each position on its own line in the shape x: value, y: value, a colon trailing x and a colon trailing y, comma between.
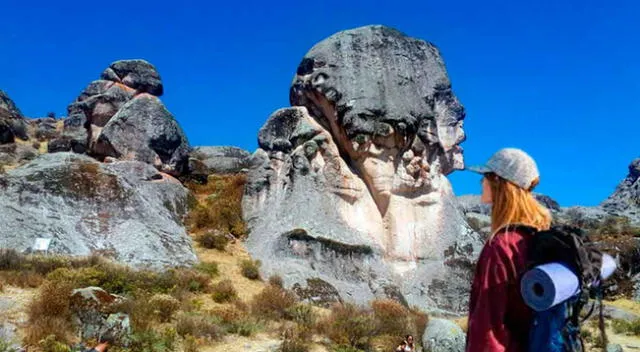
x: 515, y: 205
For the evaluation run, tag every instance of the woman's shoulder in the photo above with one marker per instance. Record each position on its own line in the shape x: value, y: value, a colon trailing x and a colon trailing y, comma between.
x: 510, y: 235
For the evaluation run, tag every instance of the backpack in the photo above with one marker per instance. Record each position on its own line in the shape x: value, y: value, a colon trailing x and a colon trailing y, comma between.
x: 558, y: 328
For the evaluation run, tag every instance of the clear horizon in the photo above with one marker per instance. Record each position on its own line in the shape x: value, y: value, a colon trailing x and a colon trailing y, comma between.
x: 560, y: 81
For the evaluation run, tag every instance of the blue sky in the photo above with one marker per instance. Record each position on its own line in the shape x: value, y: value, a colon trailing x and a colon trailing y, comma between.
x: 560, y: 79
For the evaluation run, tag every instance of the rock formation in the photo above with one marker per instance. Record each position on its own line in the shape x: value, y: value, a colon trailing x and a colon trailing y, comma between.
x: 349, y: 185
x: 12, y: 123
x: 125, y: 210
x: 204, y: 161
x: 121, y: 116
x: 626, y: 198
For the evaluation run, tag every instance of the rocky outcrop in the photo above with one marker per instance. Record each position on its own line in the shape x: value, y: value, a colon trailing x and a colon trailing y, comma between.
x: 93, y: 313
x: 349, y: 186
x: 126, y: 210
x: 443, y: 336
x: 12, y: 123
x: 204, y: 161
x: 626, y: 198
x: 121, y: 116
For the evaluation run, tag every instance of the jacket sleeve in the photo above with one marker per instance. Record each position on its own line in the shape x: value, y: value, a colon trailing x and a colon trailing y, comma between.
x: 486, y: 328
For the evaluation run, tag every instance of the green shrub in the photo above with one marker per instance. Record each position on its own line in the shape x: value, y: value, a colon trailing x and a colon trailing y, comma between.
x: 276, y: 280
x: 251, y: 269
x: 224, y: 291
x: 304, y: 316
x: 213, y: 240
x: 51, y: 344
x: 5, y: 346
x: 164, y: 306
x: 152, y: 341
x: 626, y: 327
x: 245, y: 326
x: 209, y: 268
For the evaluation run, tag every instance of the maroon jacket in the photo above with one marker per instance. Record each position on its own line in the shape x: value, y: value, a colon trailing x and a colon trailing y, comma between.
x: 499, y: 320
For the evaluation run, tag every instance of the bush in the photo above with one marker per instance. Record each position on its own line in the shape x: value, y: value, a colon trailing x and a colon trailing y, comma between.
x: 626, y: 327
x: 22, y: 278
x: 304, y: 316
x: 244, y: 327
x: 213, y: 240
x: 190, y: 344
x: 222, y: 209
x: 164, y: 306
x: 49, y: 314
x: 210, y: 268
x: 293, y: 341
x: 276, y: 280
x: 51, y: 344
x: 273, y: 303
x: 224, y: 291
x: 250, y: 269
x: 151, y: 341
x: 350, y: 325
x: 10, y: 259
x: 391, y: 318
x: 198, y: 326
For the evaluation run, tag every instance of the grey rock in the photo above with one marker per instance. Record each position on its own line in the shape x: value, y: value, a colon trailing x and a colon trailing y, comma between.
x: 137, y: 74
x: 12, y: 123
x: 625, y: 200
x: 443, y: 336
x: 614, y: 348
x: 223, y: 160
x: 144, y: 130
x: 617, y: 313
x: 125, y: 209
x: 16, y: 154
x: 92, y: 310
x: 316, y: 208
x: 46, y: 128
x: 8, y: 332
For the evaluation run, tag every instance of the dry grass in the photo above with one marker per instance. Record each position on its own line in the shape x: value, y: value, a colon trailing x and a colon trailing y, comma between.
x: 391, y: 318
x: 212, y: 240
x: 273, y: 302
x: 49, y: 314
x: 350, y: 325
x: 199, y: 326
x: 165, y: 306
x: 220, y: 205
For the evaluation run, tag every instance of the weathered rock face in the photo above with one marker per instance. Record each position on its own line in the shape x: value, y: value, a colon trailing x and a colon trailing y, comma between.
x: 626, y: 198
x: 93, y: 313
x: 218, y: 160
x: 350, y: 186
x: 144, y: 130
x: 123, y: 209
x: 12, y: 123
x: 125, y: 101
x: 443, y: 336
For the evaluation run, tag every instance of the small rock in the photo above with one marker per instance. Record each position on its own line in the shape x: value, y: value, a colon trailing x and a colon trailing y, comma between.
x: 443, y: 336
x: 614, y: 348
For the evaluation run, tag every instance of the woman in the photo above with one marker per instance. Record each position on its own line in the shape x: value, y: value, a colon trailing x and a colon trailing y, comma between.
x: 498, y: 318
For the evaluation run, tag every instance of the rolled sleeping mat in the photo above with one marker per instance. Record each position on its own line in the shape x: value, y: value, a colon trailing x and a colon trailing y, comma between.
x: 547, y: 285
x: 608, y: 266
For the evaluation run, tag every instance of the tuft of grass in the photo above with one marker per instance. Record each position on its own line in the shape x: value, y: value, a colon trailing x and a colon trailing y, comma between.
x: 224, y: 291
x: 49, y: 314
x: 152, y: 341
x: 304, y: 317
x: 251, y: 269
x: 209, y: 268
x: 276, y: 280
x: 273, y: 303
x: 626, y: 327
x: 51, y: 344
x: 294, y: 341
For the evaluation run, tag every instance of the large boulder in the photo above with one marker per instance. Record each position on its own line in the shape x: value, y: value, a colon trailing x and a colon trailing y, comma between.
x: 144, y: 130
x: 12, y: 123
x: 127, y: 210
x: 349, y: 186
x: 218, y: 160
x: 626, y: 198
x: 125, y: 102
